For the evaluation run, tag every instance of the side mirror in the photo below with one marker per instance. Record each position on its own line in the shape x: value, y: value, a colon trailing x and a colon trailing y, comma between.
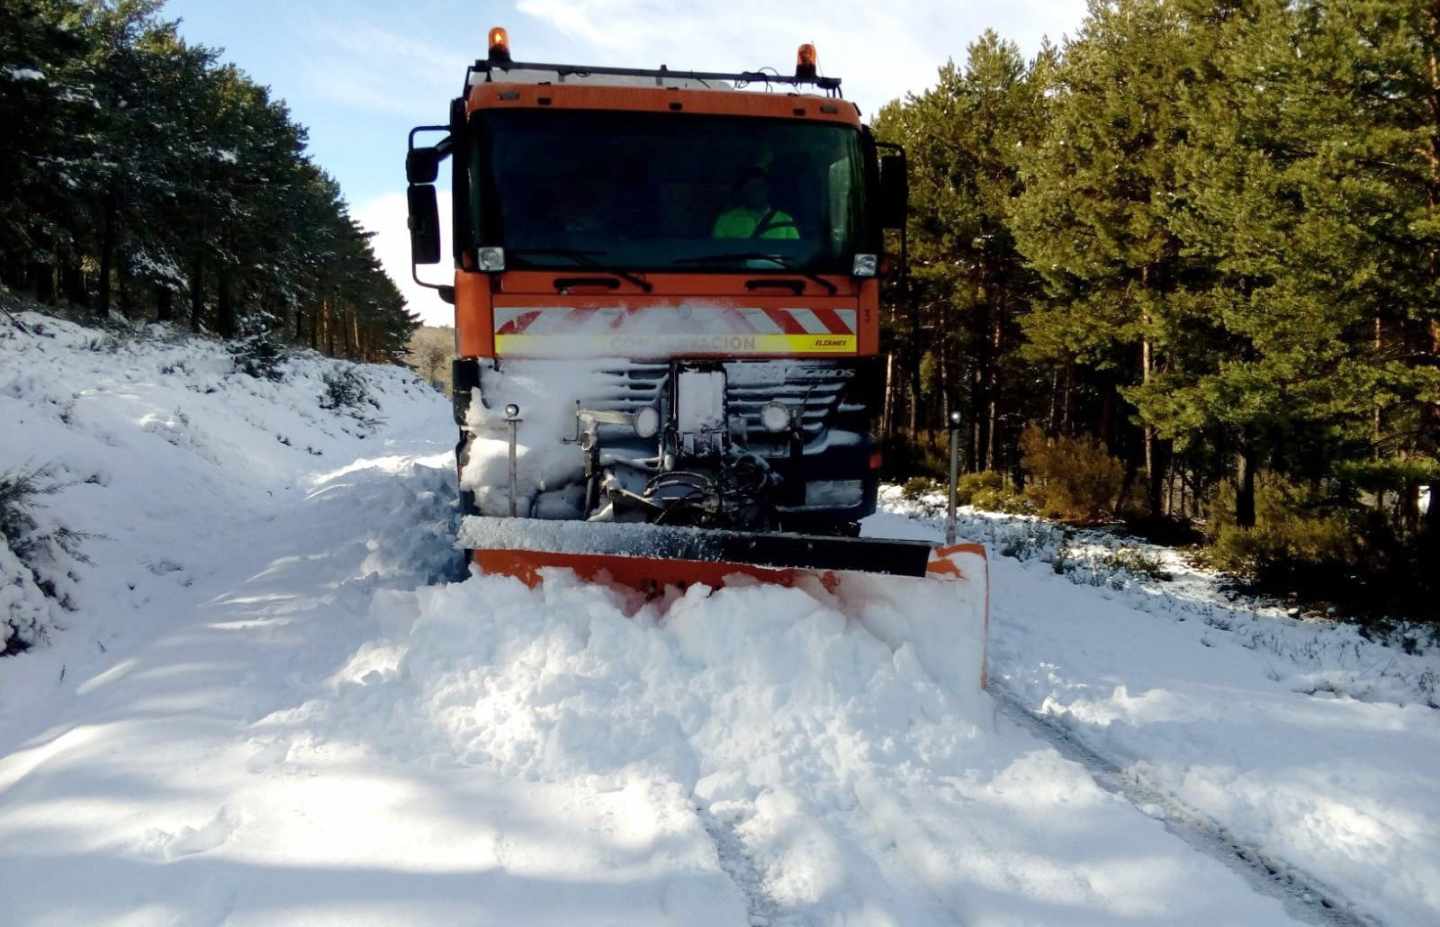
x: 894, y: 191
x: 422, y: 165
x: 424, y: 224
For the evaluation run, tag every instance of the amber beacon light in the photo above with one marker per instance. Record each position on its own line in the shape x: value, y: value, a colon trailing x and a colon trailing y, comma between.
x: 805, y: 62
x: 499, y: 45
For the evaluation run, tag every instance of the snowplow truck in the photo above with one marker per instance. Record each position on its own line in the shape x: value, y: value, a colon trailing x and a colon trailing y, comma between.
x: 667, y: 296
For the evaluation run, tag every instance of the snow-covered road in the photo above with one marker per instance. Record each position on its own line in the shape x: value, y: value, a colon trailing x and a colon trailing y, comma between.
x: 316, y: 743
x: 271, y: 707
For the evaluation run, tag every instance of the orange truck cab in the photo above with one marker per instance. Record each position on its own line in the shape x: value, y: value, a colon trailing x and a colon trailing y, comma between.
x: 666, y: 293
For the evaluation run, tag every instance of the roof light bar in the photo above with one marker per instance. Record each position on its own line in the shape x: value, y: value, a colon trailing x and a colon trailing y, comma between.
x: 662, y: 76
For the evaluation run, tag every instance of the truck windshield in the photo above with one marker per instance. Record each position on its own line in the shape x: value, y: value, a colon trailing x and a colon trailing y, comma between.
x: 662, y: 191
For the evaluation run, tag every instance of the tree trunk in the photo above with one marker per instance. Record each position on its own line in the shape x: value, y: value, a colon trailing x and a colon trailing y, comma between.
x: 1430, y: 413
x: 1132, y: 469
x: 1052, y: 421
x: 1245, y: 485
x: 225, y: 305
x: 107, y: 252
x: 915, y: 384
x: 125, y: 293
x: 197, y: 294
x: 947, y: 392
x: 1067, y: 405
x: 164, y: 304
x: 42, y: 279
x: 1431, y: 416
x: 980, y: 389
x: 72, y: 280
x: 14, y: 272
x: 1109, y: 433
x: 1377, y: 422
x: 887, y: 407
x: 1154, y: 465
x: 992, y: 389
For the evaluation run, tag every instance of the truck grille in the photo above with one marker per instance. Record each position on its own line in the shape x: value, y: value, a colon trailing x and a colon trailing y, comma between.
x: 630, y: 388
x: 811, y: 389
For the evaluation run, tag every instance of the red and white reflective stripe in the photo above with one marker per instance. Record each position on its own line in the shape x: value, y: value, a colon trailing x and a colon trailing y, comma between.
x: 569, y: 320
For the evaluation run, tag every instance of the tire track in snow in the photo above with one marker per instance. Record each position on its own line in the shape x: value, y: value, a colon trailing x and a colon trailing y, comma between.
x: 740, y: 867
x: 1304, y: 897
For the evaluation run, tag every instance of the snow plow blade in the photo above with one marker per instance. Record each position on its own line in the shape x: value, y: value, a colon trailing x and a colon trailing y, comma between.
x: 650, y: 557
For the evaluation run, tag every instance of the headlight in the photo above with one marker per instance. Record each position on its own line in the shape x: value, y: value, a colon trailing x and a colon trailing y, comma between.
x: 491, y: 260
x: 647, y: 422
x: 775, y: 416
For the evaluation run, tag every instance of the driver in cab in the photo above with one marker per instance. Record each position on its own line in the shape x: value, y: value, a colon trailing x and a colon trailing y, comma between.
x: 755, y: 217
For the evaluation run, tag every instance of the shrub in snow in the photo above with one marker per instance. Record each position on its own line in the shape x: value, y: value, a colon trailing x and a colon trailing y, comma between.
x: 1071, y: 478
x: 1136, y: 562
x: 1028, y: 540
x: 104, y: 344
x: 985, y: 490
x: 972, y: 484
x: 1001, y: 499
x: 1284, y: 553
x: 1311, y: 546
x: 260, y: 356
x: 348, y: 392
x: 918, y: 487
x: 345, y: 388
x: 34, y: 559
x: 24, y: 611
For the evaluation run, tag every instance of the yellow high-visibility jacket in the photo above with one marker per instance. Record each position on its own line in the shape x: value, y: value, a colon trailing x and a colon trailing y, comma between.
x: 741, y: 222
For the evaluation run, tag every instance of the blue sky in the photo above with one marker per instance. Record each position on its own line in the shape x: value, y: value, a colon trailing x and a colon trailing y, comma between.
x: 361, y: 73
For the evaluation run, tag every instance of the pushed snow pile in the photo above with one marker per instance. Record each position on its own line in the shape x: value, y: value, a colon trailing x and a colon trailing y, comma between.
x: 708, y: 689
x: 771, y: 709
x: 753, y: 754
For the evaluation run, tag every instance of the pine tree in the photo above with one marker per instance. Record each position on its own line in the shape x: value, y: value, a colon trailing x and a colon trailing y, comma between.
x: 964, y: 138
x: 1092, y: 219
x: 1308, y: 185
x: 142, y: 170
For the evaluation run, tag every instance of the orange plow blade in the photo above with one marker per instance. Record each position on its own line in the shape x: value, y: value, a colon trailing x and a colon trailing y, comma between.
x: 936, y: 598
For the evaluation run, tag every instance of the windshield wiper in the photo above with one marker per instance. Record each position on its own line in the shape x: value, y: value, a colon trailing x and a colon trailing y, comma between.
x: 780, y: 259
x: 583, y: 258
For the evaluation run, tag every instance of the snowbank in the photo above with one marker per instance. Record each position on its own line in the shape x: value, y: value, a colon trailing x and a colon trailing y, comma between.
x: 155, y: 439
x: 1311, y: 655
x: 1301, y: 738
